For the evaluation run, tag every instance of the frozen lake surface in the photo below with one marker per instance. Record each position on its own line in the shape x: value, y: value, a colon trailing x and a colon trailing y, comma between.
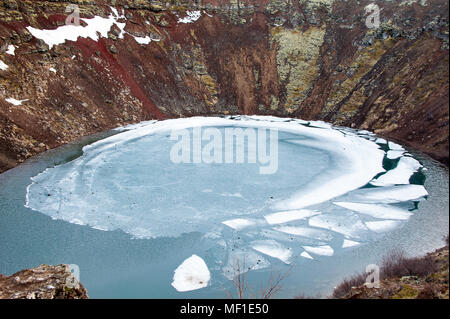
x: 139, y: 225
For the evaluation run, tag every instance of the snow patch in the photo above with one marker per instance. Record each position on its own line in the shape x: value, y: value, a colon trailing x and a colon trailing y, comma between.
x: 96, y: 27
x: 11, y: 50
x: 3, y: 66
x: 145, y: 40
x: 191, y: 17
x: 15, y: 102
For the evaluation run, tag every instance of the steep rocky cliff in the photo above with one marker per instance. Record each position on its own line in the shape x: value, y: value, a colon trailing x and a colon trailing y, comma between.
x: 312, y: 59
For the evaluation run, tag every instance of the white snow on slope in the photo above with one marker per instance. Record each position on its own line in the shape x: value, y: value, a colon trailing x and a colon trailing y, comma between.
x: 192, y: 274
x: 15, y: 102
x: 3, y: 66
x: 191, y: 17
x: 96, y: 27
x: 11, y: 50
x: 145, y: 40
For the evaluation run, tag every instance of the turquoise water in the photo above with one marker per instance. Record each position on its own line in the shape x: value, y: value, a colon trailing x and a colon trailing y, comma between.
x: 119, y: 264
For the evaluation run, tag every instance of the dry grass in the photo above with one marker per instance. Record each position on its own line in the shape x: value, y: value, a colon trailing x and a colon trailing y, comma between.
x: 393, y: 265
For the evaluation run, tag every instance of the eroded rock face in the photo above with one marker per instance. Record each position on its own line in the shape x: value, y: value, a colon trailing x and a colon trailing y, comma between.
x: 312, y: 59
x: 43, y: 282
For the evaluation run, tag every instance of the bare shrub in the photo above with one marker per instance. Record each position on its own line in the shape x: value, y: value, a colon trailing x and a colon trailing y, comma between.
x: 396, y: 265
x: 244, y: 291
x: 345, y: 287
x: 393, y: 265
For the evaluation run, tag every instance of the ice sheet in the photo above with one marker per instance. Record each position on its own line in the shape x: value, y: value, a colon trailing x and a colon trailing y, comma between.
x: 305, y: 232
x: 344, y: 223
x: 273, y: 249
x: 406, y: 167
x: 377, y: 211
x: 289, y: 216
x: 239, y: 223
x: 169, y: 200
x: 192, y: 274
x: 355, y: 159
x: 350, y: 243
x: 383, y: 226
x: 306, y: 255
x: 320, y: 250
x: 387, y: 195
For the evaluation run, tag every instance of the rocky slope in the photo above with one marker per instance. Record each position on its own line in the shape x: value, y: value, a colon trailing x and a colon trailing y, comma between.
x: 431, y: 286
x: 312, y: 59
x: 43, y: 282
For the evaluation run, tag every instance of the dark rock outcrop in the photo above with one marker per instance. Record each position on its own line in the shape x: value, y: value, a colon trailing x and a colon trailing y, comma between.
x: 43, y: 282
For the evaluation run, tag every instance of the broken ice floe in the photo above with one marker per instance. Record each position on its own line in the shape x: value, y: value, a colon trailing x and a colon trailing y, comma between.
x: 305, y: 218
x: 401, y: 174
x: 192, y: 274
x: 306, y: 255
x: 377, y: 210
x: 350, y: 243
x: 320, y: 250
x: 305, y: 232
x: 273, y: 249
x: 289, y: 216
x: 239, y: 223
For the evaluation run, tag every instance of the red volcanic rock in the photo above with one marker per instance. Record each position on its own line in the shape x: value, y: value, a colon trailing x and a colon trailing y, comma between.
x: 307, y: 59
